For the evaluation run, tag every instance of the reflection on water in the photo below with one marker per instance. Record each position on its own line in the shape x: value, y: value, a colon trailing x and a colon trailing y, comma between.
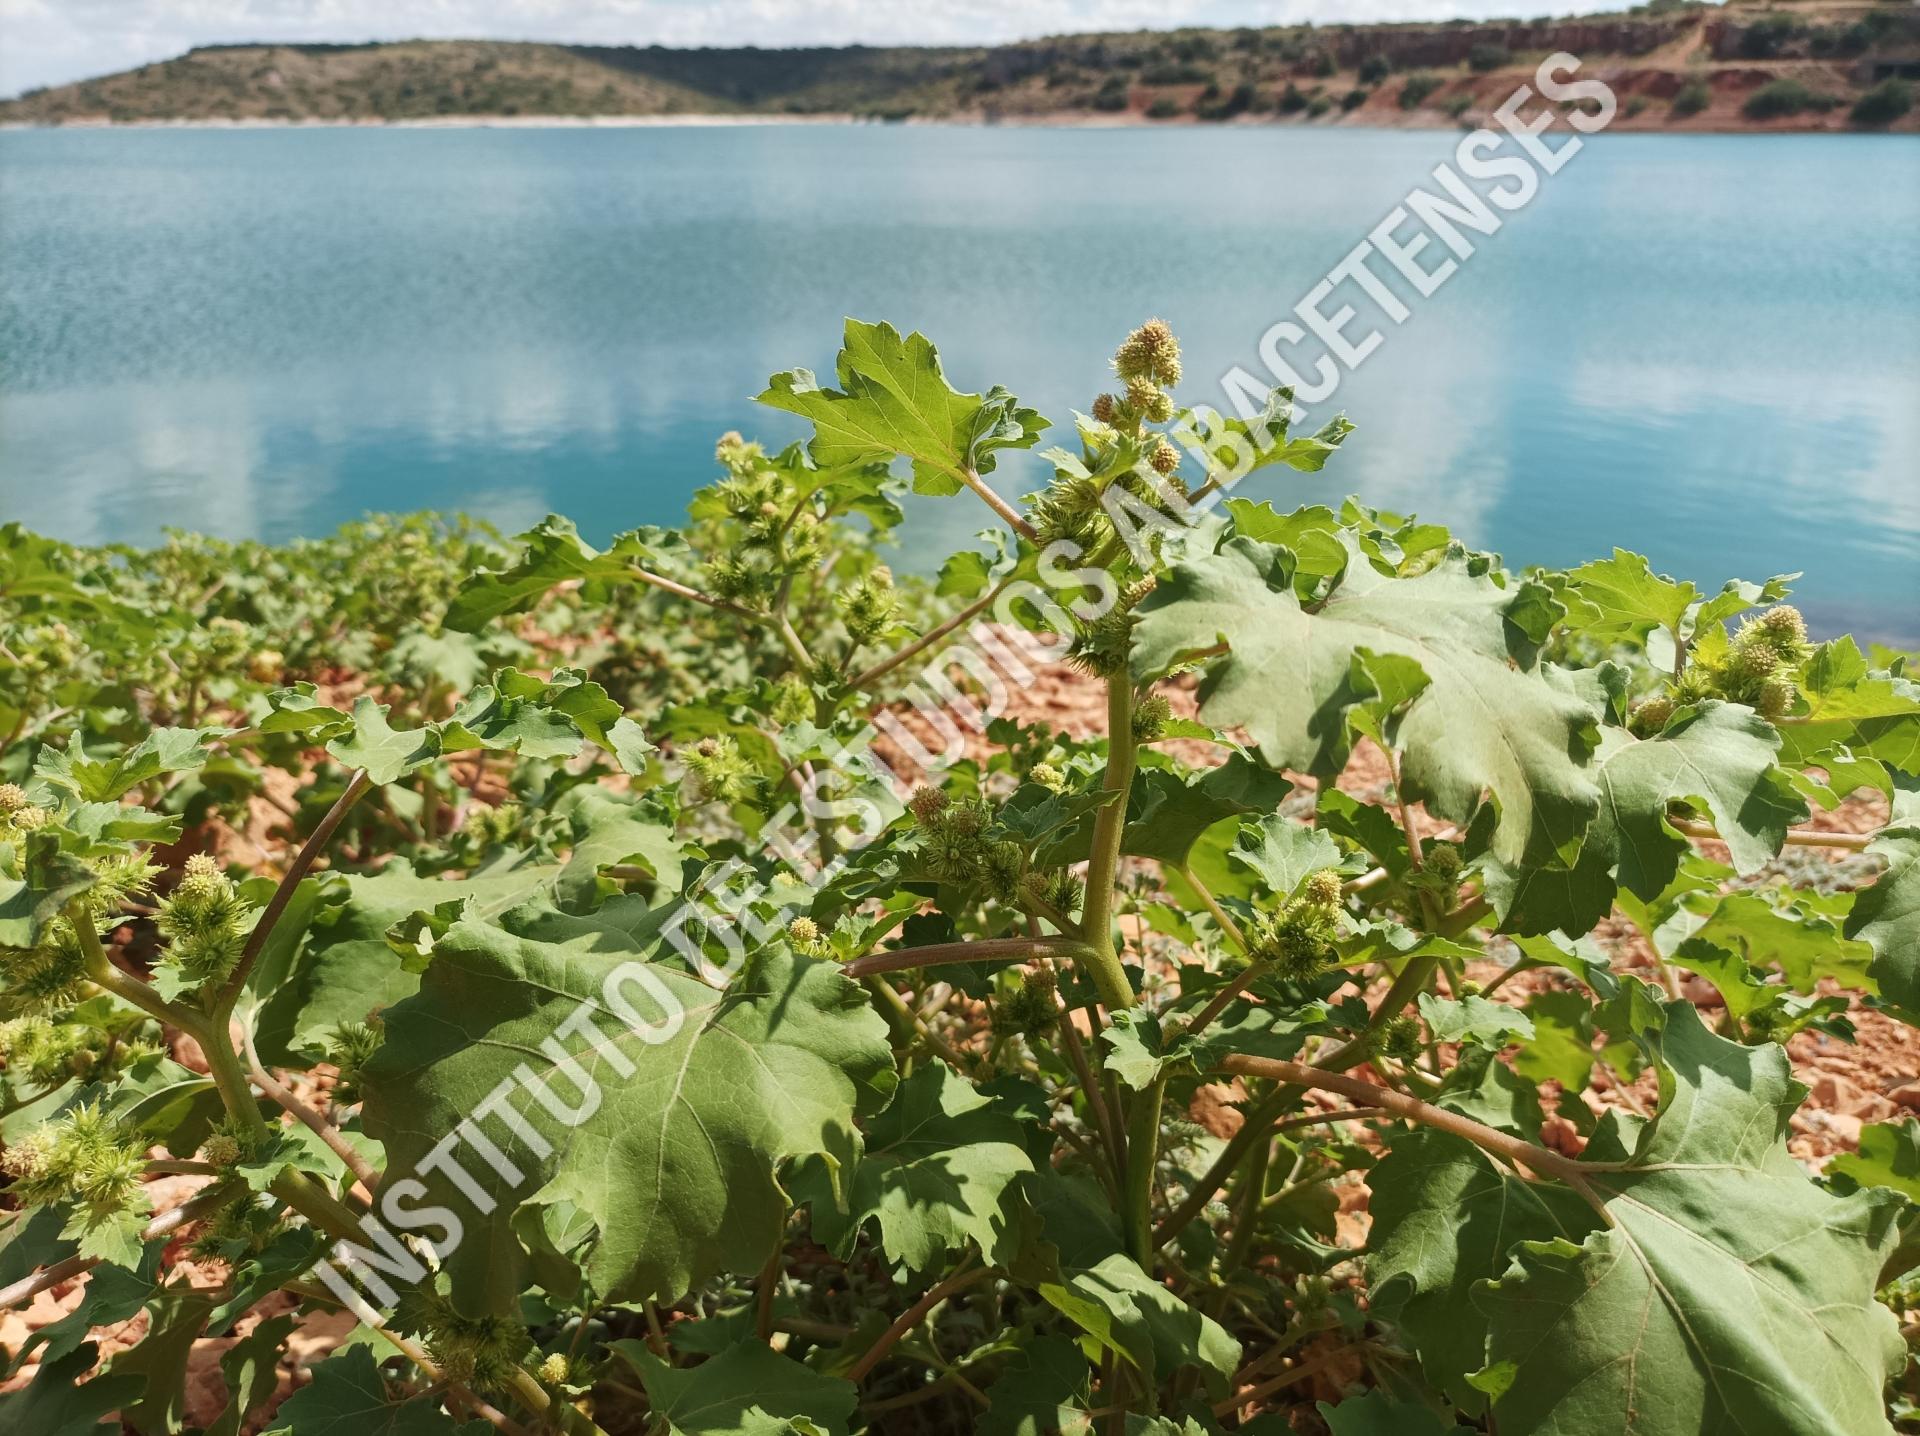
x: 1703, y: 347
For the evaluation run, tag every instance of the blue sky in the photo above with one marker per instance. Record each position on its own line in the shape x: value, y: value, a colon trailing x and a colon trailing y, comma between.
x: 49, y: 42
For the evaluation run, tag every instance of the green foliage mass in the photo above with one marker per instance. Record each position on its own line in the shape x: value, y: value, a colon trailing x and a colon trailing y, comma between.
x: 716, y: 1060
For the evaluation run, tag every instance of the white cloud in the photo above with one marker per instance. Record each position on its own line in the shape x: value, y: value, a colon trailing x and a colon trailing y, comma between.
x: 46, y: 42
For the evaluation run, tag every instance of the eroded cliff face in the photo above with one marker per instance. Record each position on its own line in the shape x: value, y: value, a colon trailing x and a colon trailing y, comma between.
x: 1415, y: 47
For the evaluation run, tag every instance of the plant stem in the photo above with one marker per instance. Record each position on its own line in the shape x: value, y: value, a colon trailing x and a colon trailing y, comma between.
x: 790, y: 640
x: 460, y: 1394
x: 1219, y: 914
x: 966, y: 1276
x: 1225, y: 996
x: 1109, y: 825
x: 327, y: 1213
x: 667, y: 585
x: 1257, y: 1125
x: 927, y: 640
x: 1143, y: 1140
x: 230, y: 1076
x: 198, y: 1205
x: 996, y: 949
x: 1513, y: 1149
x: 1097, y: 1114
x: 124, y: 985
x: 1253, y: 1185
x: 1039, y: 907
x: 335, y: 1139
x: 1796, y: 837
x: 357, y: 787
x: 764, y: 1293
x: 1268, y: 1387
x: 999, y: 505
x: 910, y: 1024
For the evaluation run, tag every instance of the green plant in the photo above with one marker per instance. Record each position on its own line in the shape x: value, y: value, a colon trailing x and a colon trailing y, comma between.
x: 1692, y: 98
x: 1488, y: 56
x: 1353, y: 99
x: 1374, y: 69
x: 1883, y: 104
x: 719, y: 1065
x: 1779, y: 98
x: 1112, y: 94
x: 1238, y: 101
x: 1417, y: 88
x: 1164, y: 108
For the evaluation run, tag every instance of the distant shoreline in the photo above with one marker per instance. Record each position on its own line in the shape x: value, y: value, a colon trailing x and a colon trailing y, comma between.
x: 1132, y: 120
x: 1744, y: 67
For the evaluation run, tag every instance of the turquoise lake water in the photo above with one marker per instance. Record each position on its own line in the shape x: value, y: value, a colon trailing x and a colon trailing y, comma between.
x: 1704, y: 347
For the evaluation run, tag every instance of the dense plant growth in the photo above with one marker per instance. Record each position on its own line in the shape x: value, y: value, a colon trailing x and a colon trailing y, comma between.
x: 658, y: 989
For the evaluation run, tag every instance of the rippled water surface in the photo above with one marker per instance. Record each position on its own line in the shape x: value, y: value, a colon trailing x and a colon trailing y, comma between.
x: 1704, y: 347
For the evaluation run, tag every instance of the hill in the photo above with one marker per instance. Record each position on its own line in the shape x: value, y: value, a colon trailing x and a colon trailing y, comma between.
x: 1805, y: 65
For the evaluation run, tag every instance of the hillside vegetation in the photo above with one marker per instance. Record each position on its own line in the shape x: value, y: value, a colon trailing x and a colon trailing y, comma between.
x: 1689, y: 66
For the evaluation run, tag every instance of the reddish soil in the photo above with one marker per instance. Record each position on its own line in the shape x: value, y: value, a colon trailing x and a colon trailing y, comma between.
x: 1872, y: 1080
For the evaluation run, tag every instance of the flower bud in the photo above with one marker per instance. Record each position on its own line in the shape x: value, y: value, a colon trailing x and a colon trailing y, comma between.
x: 1650, y: 717
x: 1443, y: 862
x: 28, y: 819
x: 205, y: 922
x: 1057, y: 887
x: 1003, y: 870
x: 792, y: 700
x: 1031, y: 1011
x: 1149, y: 400
x: 1775, y: 698
x: 1150, y: 717
x: 1324, y: 889
x: 1399, y: 1038
x: 927, y: 804
x: 1150, y: 352
x: 1783, y: 626
x: 807, y: 938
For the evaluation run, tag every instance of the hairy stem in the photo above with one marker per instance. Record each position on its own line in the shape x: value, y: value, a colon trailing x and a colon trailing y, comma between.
x: 459, y: 1394
x: 1143, y: 1140
x: 1262, y: 1118
x: 1103, y: 963
x: 910, y: 1025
